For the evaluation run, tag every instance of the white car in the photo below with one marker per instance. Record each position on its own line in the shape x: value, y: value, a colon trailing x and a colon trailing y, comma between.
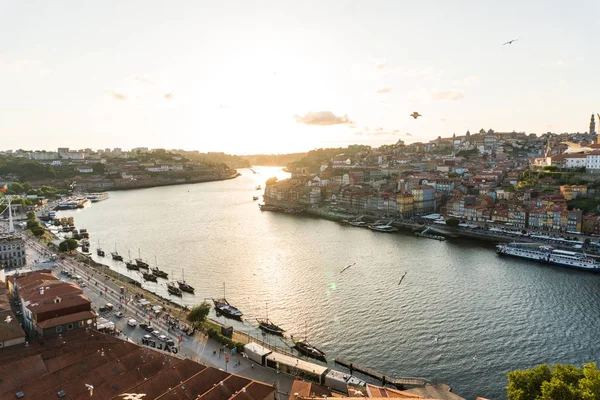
x: 156, y: 333
x: 132, y: 323
x: 163, y: 338
x: 119, y: 314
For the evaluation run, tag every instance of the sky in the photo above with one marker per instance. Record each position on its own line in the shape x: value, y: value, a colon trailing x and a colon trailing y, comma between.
x: 247, y: 77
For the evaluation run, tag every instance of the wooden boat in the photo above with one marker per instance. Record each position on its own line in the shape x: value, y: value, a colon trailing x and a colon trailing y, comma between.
x: 269, y: 327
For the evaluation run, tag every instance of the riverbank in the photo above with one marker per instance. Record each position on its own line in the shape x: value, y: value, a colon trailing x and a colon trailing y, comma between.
x: 146, y: 185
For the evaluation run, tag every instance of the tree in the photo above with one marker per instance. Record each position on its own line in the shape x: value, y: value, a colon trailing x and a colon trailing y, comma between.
x: 198, y: 314
x: 453, y: 222
x: 565, y: 382
x: 30, y: 215
x: 32, y: 223
x: 38, y: 231
x: 68, y: 245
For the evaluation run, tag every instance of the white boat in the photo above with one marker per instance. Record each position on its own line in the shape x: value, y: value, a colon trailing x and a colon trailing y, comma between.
x: 96, y: 197
x: 384, y: 228
x: 549, y: 255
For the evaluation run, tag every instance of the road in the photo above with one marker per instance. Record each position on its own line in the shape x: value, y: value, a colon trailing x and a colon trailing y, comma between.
x: 101, y: 290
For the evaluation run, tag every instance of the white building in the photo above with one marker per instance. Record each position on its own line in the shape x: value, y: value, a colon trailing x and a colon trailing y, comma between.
x: 592, y: 163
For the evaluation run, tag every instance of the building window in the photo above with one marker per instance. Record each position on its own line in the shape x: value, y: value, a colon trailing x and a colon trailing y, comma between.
x: 58, y: 329
x: 81, y: 324
x: 70, y: 327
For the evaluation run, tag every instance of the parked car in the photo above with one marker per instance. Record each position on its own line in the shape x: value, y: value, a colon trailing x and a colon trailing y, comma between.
x: 163, y: 338
x: 156, y: 333
x: 132, y: 323
x: 119, y: 314
x: 143, y: 325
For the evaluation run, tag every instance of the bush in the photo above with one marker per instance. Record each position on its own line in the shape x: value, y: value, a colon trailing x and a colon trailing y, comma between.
x: 30, y: 216
x: 38, y: 231
x: 31, y: 224
x: 68, y: 245
x: 452, y: 222
x: 224, y: 340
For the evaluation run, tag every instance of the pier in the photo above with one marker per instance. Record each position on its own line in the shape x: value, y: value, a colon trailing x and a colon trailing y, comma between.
x: 398, y: 382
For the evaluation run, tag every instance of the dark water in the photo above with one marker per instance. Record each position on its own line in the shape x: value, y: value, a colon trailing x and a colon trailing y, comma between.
x: 508, y: 313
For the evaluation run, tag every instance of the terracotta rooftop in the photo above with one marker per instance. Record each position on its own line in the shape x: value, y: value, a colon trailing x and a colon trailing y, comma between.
x: 10, y: 328
x: 66, y: 319
x: 113, y: 367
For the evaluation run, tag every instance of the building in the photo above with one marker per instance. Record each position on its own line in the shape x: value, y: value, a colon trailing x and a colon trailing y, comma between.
x: 592, y: 125
x: 50, y: 306
x: 570, y: 192
x: 88, y: 364
x: 11, y: 332
x: 12, y: 251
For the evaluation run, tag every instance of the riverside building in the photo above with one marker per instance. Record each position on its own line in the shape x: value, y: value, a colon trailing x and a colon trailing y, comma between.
x: 12, y: 251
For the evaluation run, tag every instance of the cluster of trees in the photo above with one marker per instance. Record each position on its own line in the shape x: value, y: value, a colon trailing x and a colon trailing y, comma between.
x: 33, y: 225
x: 316, y: 157
x: 25, y: 169
x: 563, y: 382
x: 68, y: 245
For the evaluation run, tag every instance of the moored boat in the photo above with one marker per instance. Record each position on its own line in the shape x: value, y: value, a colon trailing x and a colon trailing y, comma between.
x: 308, y: 349
x: 268, y: 326
x: 149, y: 277
x: 184, y: 286
x: 141, y: 264
x: 388, y: 228
x: 159, y: 273
x: 174, y: 290
x: 223, y: 307
x: 116, y: 256
x: 267, y: 207
x: 100, y: 252
x: 549, y: 255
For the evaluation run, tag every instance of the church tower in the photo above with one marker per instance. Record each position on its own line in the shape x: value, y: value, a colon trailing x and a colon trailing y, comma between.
x: 593, y: 125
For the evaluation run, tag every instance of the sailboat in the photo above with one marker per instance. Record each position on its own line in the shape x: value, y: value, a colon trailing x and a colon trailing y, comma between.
x: 223, y: 307
x: 269, y: 326
x: 304, y: 347
x: 173, y: 289
x: 115, y: 255
x: 158, y: 272
x: 99, y: 250
x: 183, y: 285
x: 130, y: 264
x: 139, y: 261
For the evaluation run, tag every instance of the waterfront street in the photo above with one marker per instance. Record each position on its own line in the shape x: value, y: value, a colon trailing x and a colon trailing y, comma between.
x: 199, y: 348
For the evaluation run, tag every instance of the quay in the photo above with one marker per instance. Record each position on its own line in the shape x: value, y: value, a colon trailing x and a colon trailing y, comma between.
x: 398, y: 382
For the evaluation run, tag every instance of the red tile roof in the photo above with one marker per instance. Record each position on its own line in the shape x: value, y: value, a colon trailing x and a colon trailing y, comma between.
x: 67, y: 319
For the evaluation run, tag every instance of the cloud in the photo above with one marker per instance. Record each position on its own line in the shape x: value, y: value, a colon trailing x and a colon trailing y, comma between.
x: 451, y: 95
x: 384, y: 90
x: 168, y: 96
x: 322, y: 118
x: 222, y: 106
x: 407, y: 134
x: 143, y: 78
x: 471, y: 80
x: 118, y: 95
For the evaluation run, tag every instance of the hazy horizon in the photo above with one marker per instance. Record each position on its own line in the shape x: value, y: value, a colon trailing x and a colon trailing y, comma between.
x: 285, y: 77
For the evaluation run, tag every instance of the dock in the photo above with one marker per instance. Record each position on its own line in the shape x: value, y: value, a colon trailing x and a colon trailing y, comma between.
x: 398, y: 382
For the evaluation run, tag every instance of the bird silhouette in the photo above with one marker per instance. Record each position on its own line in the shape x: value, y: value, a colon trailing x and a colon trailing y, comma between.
x: 415, y: 115
x: 509, y: 42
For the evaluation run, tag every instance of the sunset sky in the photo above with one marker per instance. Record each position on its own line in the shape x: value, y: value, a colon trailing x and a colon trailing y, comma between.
x: 283, y: 76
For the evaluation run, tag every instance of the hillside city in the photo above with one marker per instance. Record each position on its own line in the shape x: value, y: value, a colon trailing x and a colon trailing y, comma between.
x: 546, y: 183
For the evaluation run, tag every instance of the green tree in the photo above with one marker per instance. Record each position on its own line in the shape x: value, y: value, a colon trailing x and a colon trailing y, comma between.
x: 32, y: 223
x: 38, y: 231
x: 68, y: 245
x: 563, y: 382
x: 15, y: 188
x: 30, y: 215
x: 452, y: 222
x: 198, y: 314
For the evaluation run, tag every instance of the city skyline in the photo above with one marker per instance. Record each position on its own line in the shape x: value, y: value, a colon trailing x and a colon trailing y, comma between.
x: 281, y: 78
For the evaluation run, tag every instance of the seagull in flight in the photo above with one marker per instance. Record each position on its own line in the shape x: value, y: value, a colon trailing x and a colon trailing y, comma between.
x: 510, y: 42
x: 415, y: 115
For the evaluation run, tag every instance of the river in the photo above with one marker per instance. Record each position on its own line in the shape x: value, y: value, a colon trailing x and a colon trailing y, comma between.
x: 489, y: 314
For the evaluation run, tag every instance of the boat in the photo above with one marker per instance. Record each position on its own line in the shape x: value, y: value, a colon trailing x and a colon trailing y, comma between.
x: 149, y: 277
x: 115, y: 255
x: 308, y: 349
x: 426, y: 234
x: 254, y: 198
x: 96, y: 197
x: 99, y: 250
x: 549, y: 255
x: 173, y: 289
x: 158, y: 272
x: 84, y: 233
x: 388, y: 228
x: 131, y: 265
x: 183, y: 285
x: 266, y: 207
x: 140, y: 263
x: 269, y: 327
x: 223, y: 307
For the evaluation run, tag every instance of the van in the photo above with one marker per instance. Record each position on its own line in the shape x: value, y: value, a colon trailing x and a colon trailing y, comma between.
x: 132, y: 323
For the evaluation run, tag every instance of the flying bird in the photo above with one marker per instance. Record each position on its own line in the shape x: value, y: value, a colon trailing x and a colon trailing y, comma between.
x: 90, y: 388
x: 510, y: 42
x: 415, y: 115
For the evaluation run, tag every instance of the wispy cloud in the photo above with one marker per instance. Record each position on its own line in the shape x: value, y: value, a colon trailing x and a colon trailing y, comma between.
x: 322, y: 118
x: 168, y: 96
x: 118, y: 95
x: 451, y: 95
x: 143, y: 78
x: 471, y: 80
x: 384, y: 90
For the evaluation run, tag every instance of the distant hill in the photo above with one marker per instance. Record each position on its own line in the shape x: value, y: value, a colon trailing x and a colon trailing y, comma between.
x: 274, y: 159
